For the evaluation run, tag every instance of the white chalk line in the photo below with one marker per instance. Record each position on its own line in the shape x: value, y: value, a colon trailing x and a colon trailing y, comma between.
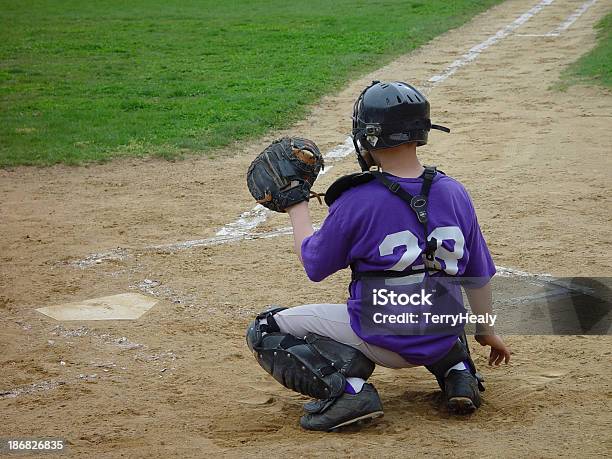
x: 574, y: 17
x: 288, y: 231
x: 259, y: 214
x: 238, y: 230
x: 241, y: 228
x: 217, y: 240
x: 31, y: 388
x: 475, y: 51
x: 251, y: 219
x: 569, y: 21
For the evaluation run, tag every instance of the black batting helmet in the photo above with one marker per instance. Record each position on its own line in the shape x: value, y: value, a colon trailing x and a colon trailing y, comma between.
x: 389, y: 114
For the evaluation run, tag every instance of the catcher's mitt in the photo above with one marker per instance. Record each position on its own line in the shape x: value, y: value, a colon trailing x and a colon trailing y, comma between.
x: 284, y: 172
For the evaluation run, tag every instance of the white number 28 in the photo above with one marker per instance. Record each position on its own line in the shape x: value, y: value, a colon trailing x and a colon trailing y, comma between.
x: 408, y: 240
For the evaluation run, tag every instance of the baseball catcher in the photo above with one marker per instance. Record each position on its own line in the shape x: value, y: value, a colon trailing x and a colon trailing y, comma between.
x: 395, y: 220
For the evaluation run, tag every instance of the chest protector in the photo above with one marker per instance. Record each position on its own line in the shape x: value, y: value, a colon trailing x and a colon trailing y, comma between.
x: 417, y: 203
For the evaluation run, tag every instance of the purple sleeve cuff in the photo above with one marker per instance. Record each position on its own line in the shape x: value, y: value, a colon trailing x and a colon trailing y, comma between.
x: 309, y: 263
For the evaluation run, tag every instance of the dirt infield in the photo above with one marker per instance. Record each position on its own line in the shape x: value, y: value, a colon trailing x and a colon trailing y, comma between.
x: 180, y: 379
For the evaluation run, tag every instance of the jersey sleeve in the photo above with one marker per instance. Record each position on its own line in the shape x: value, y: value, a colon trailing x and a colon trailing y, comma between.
x: 328, y: 249
x: 480, y: 263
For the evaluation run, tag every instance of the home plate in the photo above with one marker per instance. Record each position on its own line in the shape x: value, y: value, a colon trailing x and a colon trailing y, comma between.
x: 126, y: 306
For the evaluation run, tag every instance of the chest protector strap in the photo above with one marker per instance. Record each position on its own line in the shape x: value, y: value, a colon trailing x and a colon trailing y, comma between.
x: 418, y: 204
x: 344, y: 183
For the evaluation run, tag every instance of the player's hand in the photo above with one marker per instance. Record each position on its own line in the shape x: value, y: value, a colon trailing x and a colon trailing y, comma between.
x: 499, y: 351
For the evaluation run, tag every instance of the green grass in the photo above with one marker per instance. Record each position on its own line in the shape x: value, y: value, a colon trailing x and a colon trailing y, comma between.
x: 88, y: 81
x: 595, y: 67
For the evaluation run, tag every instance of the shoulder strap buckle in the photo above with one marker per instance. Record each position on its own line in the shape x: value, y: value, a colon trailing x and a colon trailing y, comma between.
x: 419, y: 205
x: 430, y: 248
x: 430, y: 172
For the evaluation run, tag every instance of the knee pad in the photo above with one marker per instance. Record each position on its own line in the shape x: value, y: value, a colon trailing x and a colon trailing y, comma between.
x: 316, y: 366
x: 458, y: 353
x: 263, y: 323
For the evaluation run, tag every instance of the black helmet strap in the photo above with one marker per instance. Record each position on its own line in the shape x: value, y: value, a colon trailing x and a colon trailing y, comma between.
x: 360, y: 159
x: 378, y: 129
x: 440, y: 128
x: 397, y: 127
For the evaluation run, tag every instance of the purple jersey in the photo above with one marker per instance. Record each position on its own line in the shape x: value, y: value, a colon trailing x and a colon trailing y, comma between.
x: 373, y: 230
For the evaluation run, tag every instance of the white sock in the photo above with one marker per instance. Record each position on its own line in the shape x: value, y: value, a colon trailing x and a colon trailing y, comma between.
x: 459, y: 366
x: 356, y: 384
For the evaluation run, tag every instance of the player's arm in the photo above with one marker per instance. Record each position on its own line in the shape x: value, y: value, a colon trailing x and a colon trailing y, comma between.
x: 481, y: 303
x: 302, y: 225
x: 280, y: 178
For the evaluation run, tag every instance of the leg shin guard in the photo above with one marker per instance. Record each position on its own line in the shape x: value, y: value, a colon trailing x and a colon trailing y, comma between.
x: 315, y: 365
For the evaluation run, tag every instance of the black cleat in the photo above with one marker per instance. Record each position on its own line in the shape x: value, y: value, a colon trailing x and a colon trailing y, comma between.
x: 343, y: 410
x: 318, y: 406
x: 461, y: 392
